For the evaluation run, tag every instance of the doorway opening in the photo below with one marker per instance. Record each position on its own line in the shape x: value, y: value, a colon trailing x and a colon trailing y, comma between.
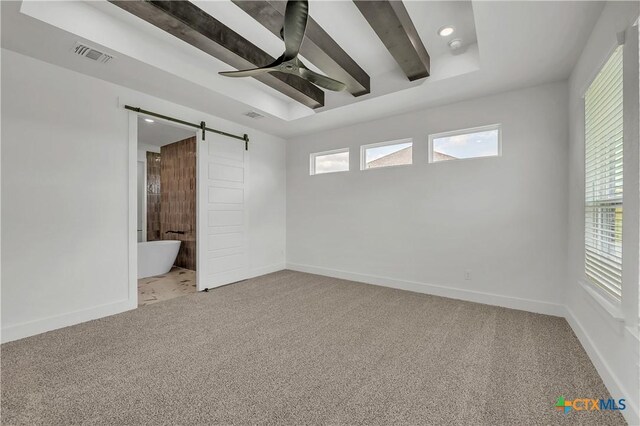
x: 166, y: 210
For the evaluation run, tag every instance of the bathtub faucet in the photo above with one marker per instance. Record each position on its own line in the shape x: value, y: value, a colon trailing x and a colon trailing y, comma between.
x: 175, y: 232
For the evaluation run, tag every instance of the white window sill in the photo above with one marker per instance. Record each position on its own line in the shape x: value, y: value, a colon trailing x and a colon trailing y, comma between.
x: 610, y: 307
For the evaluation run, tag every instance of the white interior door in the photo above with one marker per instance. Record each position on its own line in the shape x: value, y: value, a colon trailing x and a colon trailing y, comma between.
x: 222, y: 219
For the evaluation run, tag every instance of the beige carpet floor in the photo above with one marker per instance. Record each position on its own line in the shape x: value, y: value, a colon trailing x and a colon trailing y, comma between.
x: 294, y: 348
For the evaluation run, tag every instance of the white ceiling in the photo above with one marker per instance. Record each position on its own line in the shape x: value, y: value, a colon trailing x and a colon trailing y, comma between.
x: 159, y: 133
x: 510, y: 45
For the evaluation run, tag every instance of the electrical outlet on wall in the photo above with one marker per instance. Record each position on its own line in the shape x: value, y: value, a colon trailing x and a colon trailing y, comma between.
x: 467, y: 275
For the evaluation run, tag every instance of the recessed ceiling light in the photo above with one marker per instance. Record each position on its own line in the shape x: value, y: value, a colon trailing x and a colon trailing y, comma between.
x: 148, y: 120
x: 445, y: 31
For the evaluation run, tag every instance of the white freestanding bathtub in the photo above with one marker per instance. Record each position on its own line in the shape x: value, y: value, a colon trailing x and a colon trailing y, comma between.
x: 156, y: 257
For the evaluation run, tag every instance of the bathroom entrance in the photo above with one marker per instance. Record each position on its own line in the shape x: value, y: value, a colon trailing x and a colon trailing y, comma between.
x: 188, y: 196
x: 166, y: 213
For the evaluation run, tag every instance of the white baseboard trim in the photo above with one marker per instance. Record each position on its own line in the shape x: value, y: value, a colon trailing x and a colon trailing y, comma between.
x: 268, y: 269
x: 613, y: 384
x: 529, y: 305
x: 30, y: 328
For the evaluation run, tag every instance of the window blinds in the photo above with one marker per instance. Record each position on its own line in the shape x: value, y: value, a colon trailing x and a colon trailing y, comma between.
x: 603, y: 177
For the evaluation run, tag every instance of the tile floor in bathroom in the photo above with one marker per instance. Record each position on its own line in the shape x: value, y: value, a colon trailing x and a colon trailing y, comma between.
x: 175, y: 283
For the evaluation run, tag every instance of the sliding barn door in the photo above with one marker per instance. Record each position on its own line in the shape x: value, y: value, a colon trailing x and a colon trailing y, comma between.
x: 222, y: 218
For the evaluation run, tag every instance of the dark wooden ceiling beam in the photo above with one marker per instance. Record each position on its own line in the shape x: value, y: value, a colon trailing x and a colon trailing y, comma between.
x: 392, y: 23
x: 317, y: 47
x: 194, y: 26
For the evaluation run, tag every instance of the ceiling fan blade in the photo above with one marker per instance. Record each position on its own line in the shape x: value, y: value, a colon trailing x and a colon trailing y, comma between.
x: 321, y: 80
x: 247, y: 73
x: 295, y: 24
x: 253, y: 71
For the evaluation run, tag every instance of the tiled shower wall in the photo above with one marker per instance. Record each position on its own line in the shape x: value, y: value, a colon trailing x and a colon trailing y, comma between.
x: 178, y: 198
x: 153, y: 196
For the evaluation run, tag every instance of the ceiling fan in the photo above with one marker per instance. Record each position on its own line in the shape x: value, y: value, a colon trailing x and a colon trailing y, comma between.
x: 295, y: 24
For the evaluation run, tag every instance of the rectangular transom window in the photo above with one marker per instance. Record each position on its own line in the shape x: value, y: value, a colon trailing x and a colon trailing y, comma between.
x: 468, y: 143
x: 330, y: 161
x: 386, y: 154
x: 603, y: 177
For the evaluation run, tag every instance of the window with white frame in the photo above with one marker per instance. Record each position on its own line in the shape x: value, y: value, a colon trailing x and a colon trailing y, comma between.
x: 386, y: 154
x: 478, y: 142
x: 329, y: 161
x: 603, y: 177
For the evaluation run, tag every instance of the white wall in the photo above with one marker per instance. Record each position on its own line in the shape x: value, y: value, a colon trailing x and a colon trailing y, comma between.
x: 65, y: 195
x: 421, y: 226
x: 611, y: 343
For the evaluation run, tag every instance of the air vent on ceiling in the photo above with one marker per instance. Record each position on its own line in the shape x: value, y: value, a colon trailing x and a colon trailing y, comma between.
x: 253, y: 114
x: 91, y: 53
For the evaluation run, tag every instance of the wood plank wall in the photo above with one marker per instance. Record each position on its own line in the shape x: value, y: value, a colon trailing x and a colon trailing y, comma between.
x: 153, y: 196
x: 178, y: 198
